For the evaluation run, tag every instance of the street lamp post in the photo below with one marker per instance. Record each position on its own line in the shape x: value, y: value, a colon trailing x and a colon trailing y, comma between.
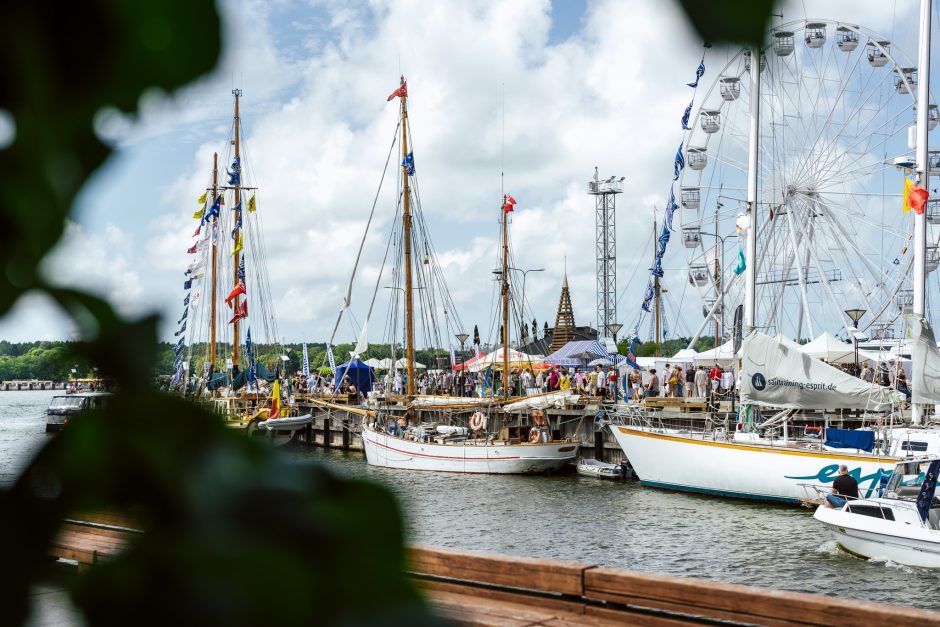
x: 855, y: 315
x: 614, y: 329
x: 462, y: 338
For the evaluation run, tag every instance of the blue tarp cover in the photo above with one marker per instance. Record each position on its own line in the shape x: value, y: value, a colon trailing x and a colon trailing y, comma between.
x: 847, y: 438
x: 359, y: 373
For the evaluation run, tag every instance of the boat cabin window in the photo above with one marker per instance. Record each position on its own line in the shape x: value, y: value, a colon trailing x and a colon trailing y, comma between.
x: 906, y: 480
x: 914, y: 447
x: 66, y: 402
x: 874, y: 511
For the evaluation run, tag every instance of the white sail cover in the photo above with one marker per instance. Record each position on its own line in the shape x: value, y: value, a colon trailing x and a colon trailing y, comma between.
x: 543, y: 401
x: 925, y: 369
x: 776, y: 375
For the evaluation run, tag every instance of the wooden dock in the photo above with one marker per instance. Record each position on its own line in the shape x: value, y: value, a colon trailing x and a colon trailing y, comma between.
x: 503, y: 591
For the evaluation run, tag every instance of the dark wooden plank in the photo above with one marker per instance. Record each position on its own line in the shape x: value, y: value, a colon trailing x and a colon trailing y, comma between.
x: 743, y: 603
x: 518, y: 572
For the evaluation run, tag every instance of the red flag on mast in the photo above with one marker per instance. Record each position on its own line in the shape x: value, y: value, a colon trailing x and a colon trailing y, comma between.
x: 508, y: 206
x: 401, y: 92
x: 241, y: 312
x: 239, y: 289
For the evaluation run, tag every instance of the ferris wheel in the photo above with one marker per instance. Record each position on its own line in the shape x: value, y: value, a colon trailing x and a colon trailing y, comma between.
x: 836, y: 116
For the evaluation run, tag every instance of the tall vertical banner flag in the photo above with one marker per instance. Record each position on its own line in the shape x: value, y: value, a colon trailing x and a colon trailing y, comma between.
x: 275, y: 411
x: 678, y: 165
x: 306, y: 363
x: 329, y: 354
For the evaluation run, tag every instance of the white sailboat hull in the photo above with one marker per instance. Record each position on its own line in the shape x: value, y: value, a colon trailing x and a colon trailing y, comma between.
x: 873, y: 538
x: 764, y: 473
x: 484, y: 458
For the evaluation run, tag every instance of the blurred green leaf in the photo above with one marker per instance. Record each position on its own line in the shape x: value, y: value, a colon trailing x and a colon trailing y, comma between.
x: 740, y: 22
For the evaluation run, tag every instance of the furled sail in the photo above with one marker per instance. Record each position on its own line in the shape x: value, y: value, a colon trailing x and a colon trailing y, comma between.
x: 776, y: 375
x: 925, y: 363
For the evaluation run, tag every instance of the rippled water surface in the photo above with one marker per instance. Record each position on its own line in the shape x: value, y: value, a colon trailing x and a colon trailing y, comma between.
x: 618, y: 524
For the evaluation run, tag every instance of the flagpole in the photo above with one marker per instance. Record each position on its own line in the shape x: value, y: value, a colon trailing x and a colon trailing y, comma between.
x: 505, y: 294
x: 406, y: 236
x: 750, y: 270
x: 213, y: 227
x: 238, y: 199
x: 923, y: 170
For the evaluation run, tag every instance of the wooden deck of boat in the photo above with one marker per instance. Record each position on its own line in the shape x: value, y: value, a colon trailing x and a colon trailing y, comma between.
x: 503, y: 591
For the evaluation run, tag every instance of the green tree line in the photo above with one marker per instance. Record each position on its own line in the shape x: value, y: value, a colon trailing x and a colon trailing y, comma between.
x: 53, y: 361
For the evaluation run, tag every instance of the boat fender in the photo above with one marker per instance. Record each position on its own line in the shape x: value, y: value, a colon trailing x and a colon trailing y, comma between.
x: 478, y: 421
x: 534, y: 435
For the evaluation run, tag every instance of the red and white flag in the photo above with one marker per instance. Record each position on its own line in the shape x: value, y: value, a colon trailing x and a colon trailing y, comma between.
x: 508, y: 205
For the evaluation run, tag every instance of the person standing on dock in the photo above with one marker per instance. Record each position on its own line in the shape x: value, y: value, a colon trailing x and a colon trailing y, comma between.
x: 701, y: 382
x: 652, y: 388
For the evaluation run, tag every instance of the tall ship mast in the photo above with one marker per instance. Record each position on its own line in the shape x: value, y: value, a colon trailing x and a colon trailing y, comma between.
x: 215, y: 360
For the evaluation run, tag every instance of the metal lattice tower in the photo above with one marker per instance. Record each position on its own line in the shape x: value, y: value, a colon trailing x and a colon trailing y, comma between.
x: 605, y: 194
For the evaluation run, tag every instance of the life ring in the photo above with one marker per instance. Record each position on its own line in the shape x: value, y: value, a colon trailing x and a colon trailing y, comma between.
x: 478, y: 421
x: 534, y: 435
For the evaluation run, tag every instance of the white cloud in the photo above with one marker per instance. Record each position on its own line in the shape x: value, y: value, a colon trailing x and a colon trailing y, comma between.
x: 318, y: 130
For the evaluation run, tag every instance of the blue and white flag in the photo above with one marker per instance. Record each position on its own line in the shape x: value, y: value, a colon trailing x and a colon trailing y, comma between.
x: 329, y: 354
x: 181, y: 331
x: 179, y: 346
x: 663, y: 240
x: 657, y: 267
x: 685, y: 116
x: 698, y: 74
x: 631, y: 355
x: 185, y: 314
x: 648, y: 297
x: 188, y: 284
x: 409, y: 163
x: 235, y: 176
x: 679, y: 164
x: 252, y: 374
x: 241, y: 269
x: 238, y: 225
x: 306, y: 363
x: 671, y: 207
x: 186, y: 301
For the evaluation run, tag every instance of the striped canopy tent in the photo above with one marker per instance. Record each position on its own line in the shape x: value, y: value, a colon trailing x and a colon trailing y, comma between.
x: 579, y: 353
x: 516, y: 359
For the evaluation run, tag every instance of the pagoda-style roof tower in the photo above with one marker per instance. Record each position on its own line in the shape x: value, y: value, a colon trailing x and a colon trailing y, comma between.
x: 564, y: 331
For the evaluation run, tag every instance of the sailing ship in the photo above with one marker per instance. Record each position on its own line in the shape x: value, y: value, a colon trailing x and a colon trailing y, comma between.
x: 217, y: 363
x: 397, y: 440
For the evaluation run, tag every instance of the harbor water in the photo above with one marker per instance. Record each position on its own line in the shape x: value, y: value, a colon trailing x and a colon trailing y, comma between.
x: 618, y: 524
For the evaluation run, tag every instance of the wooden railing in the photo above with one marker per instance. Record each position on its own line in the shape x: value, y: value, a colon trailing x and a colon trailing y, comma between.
x: 498, y: 590
x: 479, y: 589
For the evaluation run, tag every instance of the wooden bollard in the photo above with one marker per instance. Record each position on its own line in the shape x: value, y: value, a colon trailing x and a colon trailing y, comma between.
x: 327, y: 435
x: 599, y: 446
x: 346, y: 434
x: 308, y: 434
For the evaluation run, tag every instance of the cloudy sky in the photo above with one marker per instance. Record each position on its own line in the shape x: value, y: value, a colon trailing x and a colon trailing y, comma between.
x: 583, y: 83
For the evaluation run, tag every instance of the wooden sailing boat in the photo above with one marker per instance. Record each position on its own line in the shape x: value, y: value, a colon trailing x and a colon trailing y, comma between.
x: 392, y: 442
x: 216, y: 363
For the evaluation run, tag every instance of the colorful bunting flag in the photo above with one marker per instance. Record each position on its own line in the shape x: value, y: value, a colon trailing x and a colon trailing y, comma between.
x: 251, y: 204
x: 239, y: 245
x: 275, y: 411
x: 202, y: 199
x: 509, y: 204
x: 409, y: 163
x: 915, y: 197
x: 698, y: 74
x: 679, y: 164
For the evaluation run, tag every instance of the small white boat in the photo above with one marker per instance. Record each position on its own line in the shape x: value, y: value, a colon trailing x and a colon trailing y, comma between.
x: 283, y: 430
x: 600, y: 470
x: 902, y: 526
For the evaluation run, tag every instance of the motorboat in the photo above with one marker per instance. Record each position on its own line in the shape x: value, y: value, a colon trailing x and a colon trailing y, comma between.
x: 902, y: 525
x: 599, y: 469
x: 64, y: 407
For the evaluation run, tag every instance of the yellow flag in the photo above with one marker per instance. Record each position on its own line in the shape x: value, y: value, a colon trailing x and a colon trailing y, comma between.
x: 198, y: 214
x: 908, y: 184
x: 202, y: 199
x: 238, y: 246
x: 251, y: 204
